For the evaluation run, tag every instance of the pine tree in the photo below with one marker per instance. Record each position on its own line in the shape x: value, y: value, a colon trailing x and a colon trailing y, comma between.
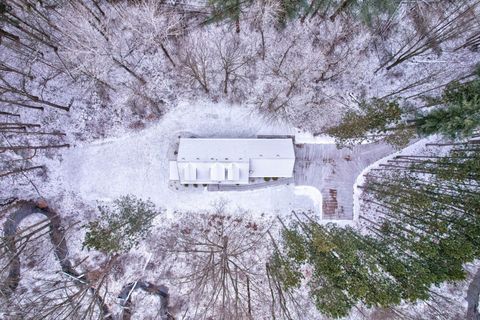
x: 429, y: 208
x: 455, y: 114
x: 459, y: 115
x: 370, y: 10
x: 428, y: 227
x: 122, y: 226
x: 227, y: 9
x: 375, y: 120
x: 345, y: 270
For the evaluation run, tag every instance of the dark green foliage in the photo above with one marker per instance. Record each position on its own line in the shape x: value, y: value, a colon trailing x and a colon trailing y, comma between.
x: 227, y: 9
x: 345, y: 271
x: 374, y: 119
x: 457, y: 116
x: 428, y: 228
x: 291, y: 9
x: 369, y: 11
x: 285, y: 271
x: 431, y: 212
x: 460, y: 114
x: 121, y: 226
x: 366, y: 10
x: 4, y: 7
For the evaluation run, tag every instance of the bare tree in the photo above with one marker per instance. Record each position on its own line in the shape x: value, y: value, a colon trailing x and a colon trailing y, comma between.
x: 219, y: 253
x: 196, y: 61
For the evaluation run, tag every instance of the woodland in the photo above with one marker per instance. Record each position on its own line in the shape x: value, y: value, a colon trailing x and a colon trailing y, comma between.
x: 80, y: 72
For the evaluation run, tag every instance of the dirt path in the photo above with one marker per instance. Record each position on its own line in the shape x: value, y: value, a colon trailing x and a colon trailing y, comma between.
x: 473, y: 296
x: 57, y: 237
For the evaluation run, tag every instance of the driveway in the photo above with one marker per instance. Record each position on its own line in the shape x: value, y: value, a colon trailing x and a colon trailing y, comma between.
x: 334, y: 171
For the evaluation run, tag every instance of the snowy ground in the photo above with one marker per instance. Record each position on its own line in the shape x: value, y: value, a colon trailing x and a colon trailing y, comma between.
x: 333, y: 173
x: 137, y: 163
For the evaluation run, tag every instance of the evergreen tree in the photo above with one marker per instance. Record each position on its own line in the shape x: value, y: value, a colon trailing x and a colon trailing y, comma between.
x: 4, y: 7
x: 428, y: 227
x: 373, y: 120
x: 456, y: 114
x: 121, y: 226
x: 345, y: 270
x: 430, y: 210
x: 228, y: 9
x: 370, y: 11
x: 291, y: 9
x: 460, y: 114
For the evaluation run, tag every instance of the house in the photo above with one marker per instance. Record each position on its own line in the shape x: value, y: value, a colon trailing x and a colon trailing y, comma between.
x: 232, y: 161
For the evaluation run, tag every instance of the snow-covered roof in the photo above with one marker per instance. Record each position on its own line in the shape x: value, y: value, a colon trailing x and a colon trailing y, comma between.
x: 232, y: 161
x: 192, y: 149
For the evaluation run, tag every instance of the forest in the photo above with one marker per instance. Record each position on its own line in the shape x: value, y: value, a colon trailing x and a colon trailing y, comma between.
x: 76, y: 75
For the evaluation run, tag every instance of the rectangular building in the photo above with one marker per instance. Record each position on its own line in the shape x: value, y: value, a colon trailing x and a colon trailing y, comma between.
x: 232, y: 161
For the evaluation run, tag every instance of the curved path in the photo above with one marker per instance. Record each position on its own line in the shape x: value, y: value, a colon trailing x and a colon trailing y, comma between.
x: 25, y: 209
x: 473, y: 295
x: 57, y: 237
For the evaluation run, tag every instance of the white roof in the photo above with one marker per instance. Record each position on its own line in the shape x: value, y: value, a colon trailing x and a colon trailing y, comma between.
x: 232, y: 161
x: 232, y: 150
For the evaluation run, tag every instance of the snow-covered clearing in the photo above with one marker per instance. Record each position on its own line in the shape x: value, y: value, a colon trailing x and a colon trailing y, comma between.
x: 137, y: 163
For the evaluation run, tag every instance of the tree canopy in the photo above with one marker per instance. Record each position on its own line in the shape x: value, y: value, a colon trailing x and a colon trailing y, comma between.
x: 374, y: 120
x: 459, y: 115
x: 121, y: 226
x: 427, y: 227
x: 455, y: 114
x: 366, y: 11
